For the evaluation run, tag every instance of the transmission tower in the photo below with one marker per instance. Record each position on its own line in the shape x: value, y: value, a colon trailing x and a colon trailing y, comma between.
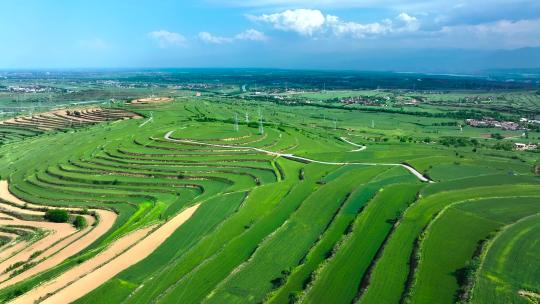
x: 236, y: 122
x: 261, y: 126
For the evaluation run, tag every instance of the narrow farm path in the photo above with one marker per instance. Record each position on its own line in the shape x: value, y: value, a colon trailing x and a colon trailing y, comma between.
x: 295, y: 157
x: 146, y: 121
x: 360, y: 147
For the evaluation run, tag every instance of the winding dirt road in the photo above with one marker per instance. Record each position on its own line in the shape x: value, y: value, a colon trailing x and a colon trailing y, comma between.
x: 299, y: 158
x: 360, y: 147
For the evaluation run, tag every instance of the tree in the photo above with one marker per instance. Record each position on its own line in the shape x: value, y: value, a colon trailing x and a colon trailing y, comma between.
x: 80, y: 222
x: 497, y: 136
x: 506, y: 146
x: 57, y: 216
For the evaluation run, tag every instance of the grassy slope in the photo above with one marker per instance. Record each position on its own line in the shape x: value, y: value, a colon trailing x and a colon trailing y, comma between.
x: 339, y: 280
x: 252, y: 280
x: 390, y: 274
x: 446, y: 249
x: 510, y: 265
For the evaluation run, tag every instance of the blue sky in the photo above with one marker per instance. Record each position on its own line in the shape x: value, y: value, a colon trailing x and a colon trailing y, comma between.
x: 340, y: 34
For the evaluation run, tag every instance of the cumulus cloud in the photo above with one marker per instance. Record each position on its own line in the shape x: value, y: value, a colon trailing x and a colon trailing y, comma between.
x: 248, y: 35
x: 209, y: 38
x: 302, y: 21
x: 408, y: 23
x: 308, y: 22
x: 251, y: 35
x: 165, y: 38
x: 402, y: 23
x: 501, y: 34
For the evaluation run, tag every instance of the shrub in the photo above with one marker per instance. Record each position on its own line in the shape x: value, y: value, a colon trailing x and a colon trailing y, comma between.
x: 456, y: 141
x: 497, y: 136
x: 506, y: 146
x: 57, y: 216
x: 80, y: 222
x: 277, y: 282
x: 253, y: 124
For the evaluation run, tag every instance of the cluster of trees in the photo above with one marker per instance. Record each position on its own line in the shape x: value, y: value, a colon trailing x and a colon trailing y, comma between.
x: 62, y: 216
x: 459, y: 114
x: 458, y: 141
x: 57, y: 216
x: 405, y: 139
x: 506, y: 146
x: 446, y: 124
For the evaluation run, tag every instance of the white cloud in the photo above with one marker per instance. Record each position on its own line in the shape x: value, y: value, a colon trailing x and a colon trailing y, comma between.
x: 357, y: 30
x: 209, y: 38
x: 309, y: 22
x: 500, y: 34
x: 251, y: 35
x: 248, y: 35
x: 165, y: 38
x: 303, y: 21
x: 402, y: 23
x: 388, y: 5
x: 408, y: 23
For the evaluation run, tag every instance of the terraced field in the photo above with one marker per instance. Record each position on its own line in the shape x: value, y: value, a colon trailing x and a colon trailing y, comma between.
x: 60, y: 120
x: 191, y: 206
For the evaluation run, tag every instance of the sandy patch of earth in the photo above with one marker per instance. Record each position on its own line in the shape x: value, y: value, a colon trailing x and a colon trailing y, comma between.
x: 151, y: 100
x: 61, y: 242
x: 93, y: 273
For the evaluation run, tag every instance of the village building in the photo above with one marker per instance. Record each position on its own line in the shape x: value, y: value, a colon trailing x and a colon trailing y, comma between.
x: 525, y: 147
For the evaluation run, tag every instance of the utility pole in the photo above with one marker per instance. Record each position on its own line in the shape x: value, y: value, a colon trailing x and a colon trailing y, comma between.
x: 373, y: 124
x: 236, y: 122
x: 247, y: 118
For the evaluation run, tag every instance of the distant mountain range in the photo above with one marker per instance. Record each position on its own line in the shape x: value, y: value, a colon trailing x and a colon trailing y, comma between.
x: 457, y: 61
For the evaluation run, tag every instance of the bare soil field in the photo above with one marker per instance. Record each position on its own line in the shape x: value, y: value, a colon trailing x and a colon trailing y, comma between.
x: 151, y: 100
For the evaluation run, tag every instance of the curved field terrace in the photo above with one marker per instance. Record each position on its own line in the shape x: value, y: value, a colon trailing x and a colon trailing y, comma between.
x: 234, y: 197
